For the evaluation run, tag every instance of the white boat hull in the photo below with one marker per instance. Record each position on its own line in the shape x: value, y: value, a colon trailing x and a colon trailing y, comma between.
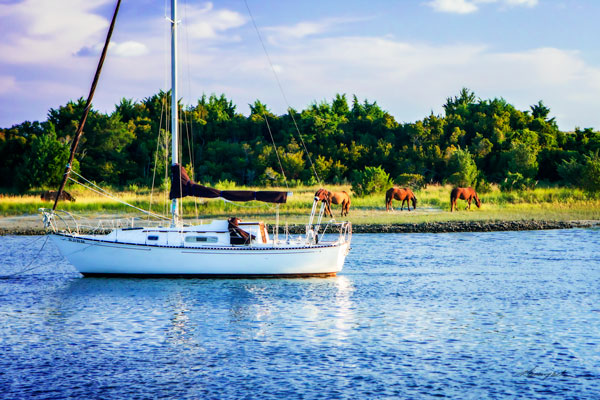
x: 94, y: 257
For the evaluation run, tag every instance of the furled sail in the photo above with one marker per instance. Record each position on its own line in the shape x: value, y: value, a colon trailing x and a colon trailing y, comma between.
x: 182, y: 186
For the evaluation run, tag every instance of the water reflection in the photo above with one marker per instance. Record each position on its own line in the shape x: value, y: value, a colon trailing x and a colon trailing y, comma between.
x: 405, y: 319
x: 185, y: 313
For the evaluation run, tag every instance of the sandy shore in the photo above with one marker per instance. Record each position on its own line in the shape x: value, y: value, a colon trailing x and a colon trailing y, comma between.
x: 32, y: 225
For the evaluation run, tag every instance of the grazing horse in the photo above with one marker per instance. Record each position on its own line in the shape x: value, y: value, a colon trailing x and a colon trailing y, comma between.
x: 467, y: 194
x: 405, y: 195
x: 328, y: 197
x: 50, y: 195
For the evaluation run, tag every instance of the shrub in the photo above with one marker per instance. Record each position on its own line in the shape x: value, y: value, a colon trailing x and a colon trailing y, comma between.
x: 522, y: 158
x: 462, y: 169
x: 516, y: 181
x: 225, y: 185
x: 415, y: 181
x: 571, y: 172
x: 370, y: 180
x: 585, y: 175
x: 483, y: 186
x: 591, y: 173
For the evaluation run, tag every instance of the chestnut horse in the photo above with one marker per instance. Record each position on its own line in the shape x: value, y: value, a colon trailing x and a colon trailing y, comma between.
x: 467, y: 194
x: 50, y: 195
x: 328, y: 197
x: 405, y: 195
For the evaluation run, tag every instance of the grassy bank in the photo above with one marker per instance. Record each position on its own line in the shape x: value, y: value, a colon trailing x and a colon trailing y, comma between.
x: 559, y: 204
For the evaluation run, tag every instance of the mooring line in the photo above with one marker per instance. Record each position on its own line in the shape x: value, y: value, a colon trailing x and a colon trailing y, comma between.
x: 27, y: 269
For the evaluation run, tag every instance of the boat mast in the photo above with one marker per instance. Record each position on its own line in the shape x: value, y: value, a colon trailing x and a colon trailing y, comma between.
x: 88, y: 106
x: 174, y: 108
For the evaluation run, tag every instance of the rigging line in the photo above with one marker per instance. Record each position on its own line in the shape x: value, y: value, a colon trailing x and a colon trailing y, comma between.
x: 166, y: 84
x: 303, y: 144
x: 119, y: 201
x: 26, y: 268
x: 103, y: 192
x: 93, y: 184
x: 289, y: 108
x: 189, y: 125
x: 180, y: 158
x: 166, y: 159
x: 156, y: 158
x: 190, y: 136
x: 275, y: 148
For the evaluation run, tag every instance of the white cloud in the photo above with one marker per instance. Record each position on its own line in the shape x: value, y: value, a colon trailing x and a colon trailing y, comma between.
x: 306, y: 28
x: 525, y: 3
x: 124, y: 49
x: 453, y: 6
x: 470, y: 6
x: 207, y: 23
x: 409, y: 79
x: 129, y: 49
x: 300, y: 30
x: 42, y: 31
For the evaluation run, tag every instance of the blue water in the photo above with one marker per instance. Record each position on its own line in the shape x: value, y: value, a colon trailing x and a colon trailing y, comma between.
x: 461, y: 315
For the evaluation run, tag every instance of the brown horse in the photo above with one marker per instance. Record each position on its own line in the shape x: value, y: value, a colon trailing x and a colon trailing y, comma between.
x: 328, y: 197
x: 405, y: 195
x: 467, y: 194
x: 50, y: 195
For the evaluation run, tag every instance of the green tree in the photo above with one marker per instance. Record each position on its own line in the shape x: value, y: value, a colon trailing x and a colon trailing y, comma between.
x: 591, y: 173
x: 45, y: 160
x: 522, y: 158
x: 370, y: 180
x: 462, y: 169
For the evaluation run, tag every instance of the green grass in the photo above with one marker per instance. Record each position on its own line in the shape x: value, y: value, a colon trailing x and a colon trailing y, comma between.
x: 433, y: 206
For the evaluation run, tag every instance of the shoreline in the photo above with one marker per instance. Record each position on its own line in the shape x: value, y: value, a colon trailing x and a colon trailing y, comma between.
x: 425, y: 227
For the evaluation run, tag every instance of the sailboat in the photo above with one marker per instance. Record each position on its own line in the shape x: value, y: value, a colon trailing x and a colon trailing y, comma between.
x: 223, y: 248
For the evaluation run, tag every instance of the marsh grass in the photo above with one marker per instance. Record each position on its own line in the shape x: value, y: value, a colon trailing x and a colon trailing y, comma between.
x: 433, y: 206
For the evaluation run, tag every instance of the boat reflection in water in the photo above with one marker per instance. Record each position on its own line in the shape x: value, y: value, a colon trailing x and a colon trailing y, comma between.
x: 189, y: 313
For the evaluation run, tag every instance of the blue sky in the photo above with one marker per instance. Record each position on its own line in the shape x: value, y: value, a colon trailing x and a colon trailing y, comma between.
x: 409, y: 55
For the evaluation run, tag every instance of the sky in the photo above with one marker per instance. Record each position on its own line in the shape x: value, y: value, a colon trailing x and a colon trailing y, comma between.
x: 407, y: 55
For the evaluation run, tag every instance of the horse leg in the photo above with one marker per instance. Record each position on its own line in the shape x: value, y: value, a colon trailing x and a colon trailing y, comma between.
x: 327, y: 209
x: 468, y: 204
x: 452, y: 204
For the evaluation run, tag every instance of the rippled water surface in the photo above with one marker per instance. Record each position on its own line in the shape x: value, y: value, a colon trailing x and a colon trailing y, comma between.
x: 463, y: 315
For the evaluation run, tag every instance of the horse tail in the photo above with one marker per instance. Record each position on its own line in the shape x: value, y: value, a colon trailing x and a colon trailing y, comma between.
x: 346, y: 206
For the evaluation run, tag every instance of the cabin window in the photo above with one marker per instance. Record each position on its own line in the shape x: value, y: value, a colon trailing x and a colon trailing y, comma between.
x: 201, y: 239
x: 152, y: 237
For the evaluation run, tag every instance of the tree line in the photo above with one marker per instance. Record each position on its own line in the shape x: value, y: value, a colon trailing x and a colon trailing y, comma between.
x: 475, y: 143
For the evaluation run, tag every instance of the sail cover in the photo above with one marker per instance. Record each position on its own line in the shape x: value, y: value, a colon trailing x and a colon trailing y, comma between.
x: 182, y: 185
